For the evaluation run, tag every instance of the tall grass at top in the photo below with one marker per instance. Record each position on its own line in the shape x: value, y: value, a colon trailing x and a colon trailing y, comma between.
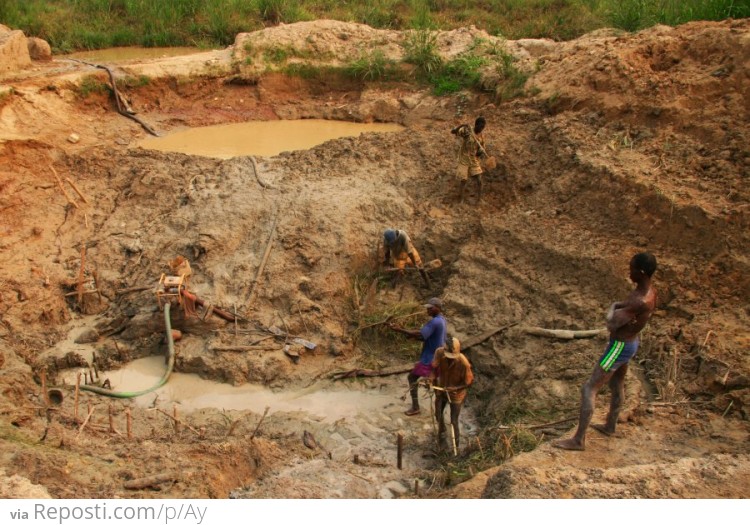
x: 87, y: 24
x: 634, y: 15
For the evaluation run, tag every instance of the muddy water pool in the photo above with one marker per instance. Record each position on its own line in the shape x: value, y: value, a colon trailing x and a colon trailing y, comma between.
x: 194, y: 393
x: 263, y: 138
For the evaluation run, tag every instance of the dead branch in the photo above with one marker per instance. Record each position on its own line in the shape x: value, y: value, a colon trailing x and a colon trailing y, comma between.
x: 242, y: 348
x: 563, y: 334
x: 75, y: 188
x: 536, y: 427
x: 134, y: 289
x: 82, y: 292
x: 252, y: 436
x: 177, y: 421
x: 85, y: 421
x: 474, y: 341
x: 62, y: 188
x: 363, y: 372
x: 79, y: 286
x: 151, y: 481
x: 262, y: 266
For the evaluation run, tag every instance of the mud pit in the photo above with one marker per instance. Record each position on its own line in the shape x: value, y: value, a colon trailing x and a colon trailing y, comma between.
x: 629, y: 143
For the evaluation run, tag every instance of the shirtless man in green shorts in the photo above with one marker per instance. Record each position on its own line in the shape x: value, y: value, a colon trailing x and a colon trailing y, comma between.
x: 625, y: 320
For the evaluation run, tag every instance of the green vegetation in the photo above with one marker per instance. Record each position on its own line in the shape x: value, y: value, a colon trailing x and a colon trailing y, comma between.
x: 92, y: 84
x: 70, y: 25
x: 373, y: 66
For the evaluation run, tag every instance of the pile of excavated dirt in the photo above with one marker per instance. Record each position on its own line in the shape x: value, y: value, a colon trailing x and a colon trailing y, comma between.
x: 625, y: 143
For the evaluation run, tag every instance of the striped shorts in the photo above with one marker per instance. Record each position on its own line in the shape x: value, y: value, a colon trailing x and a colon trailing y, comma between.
x: 617, y: 354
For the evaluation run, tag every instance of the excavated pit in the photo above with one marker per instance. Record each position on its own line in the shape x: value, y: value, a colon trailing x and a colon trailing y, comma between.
x: 583, y: 183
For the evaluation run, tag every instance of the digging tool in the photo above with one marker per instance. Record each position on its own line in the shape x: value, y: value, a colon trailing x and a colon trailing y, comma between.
x: 431, y: 265
x: 453, y: 439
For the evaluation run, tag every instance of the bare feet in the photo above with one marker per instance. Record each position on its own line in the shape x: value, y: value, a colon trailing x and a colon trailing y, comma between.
x: 569, y: 444
x: 603, y: 429
x: 412, y: 412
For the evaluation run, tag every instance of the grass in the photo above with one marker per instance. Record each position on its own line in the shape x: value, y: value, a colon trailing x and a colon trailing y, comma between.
x: 373, y: 66
x: 92, y: 85
x: 70, y: 25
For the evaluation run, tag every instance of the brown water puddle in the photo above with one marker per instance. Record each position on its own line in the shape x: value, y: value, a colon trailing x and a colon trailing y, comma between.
x: 193, y: 393
x: 123, y: 54
x: 264, y: 138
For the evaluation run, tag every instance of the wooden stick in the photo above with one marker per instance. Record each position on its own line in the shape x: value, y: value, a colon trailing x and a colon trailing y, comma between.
x: 45, y: 397
x: 386, y: 320
x: 363, y: 372
x: 151, y: 481
x: 98, y: 292
x: 62, y: 188
x: 416, y: 487
x: 79, y: 287
x: 85, y: 421
x: 474, y: 341
x: 242, y: 348
x: 82, y: 292
x: 234, y: 306
x: 78, y: 388
x: 252, y: 436
x: 177, y: 422
x: 111, y: 419
x: 75, y: 188
x: 399, y: 450
x: 535, y: 427
x: 129, y: 425
x: 563, y: 334
x: 263, y: 261
x: 134, y: 289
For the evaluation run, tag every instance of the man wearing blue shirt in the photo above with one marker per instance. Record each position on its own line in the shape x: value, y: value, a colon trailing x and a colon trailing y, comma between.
x: 432, y: 335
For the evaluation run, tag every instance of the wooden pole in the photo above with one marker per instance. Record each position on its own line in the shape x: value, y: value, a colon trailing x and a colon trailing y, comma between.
x: 86, y: 420
x: 252, y: 436
x: 399, y: 450
x: 111, y: 420
x: 62, y: 188
x: 81, y: 195
x: 129, y: 422
x: 79, y: 286
x: 78, y: 389
x: 416, y: 487
x: 45, y: 397
x: 176, y: 421
x: 266, y: 253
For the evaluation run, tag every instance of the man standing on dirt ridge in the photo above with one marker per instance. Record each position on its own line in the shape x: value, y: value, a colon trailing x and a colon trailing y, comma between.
x: 470, y: 149
x: 432, y: 335
x: 396, y: 243
x: 625, y: 320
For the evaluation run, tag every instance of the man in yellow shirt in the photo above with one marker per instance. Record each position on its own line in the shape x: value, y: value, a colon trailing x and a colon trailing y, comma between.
x: 470, y: 150
x: 397, y: 244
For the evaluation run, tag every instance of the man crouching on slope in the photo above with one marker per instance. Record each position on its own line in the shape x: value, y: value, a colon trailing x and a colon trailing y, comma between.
x: 625, y: 320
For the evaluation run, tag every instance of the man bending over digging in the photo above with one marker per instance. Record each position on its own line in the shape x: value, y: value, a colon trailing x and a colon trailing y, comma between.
x: 625, y: 320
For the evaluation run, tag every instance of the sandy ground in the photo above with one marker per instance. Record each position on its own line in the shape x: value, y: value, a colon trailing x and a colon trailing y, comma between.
x: 625, y: 143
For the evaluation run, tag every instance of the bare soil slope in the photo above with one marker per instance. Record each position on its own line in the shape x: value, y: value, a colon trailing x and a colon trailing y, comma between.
x: 625, y: 143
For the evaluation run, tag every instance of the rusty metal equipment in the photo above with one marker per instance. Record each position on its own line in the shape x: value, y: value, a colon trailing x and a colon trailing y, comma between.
x: 170, y: 289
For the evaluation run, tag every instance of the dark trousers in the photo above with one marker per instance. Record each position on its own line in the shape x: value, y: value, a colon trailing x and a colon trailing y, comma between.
x: 414, y: 389
x: 441, y: 399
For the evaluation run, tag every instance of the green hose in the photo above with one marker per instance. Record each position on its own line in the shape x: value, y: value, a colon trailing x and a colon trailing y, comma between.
x: 162, y: 381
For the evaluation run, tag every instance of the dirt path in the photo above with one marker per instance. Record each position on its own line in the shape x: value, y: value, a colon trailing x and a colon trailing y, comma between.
x: 624, y: 143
